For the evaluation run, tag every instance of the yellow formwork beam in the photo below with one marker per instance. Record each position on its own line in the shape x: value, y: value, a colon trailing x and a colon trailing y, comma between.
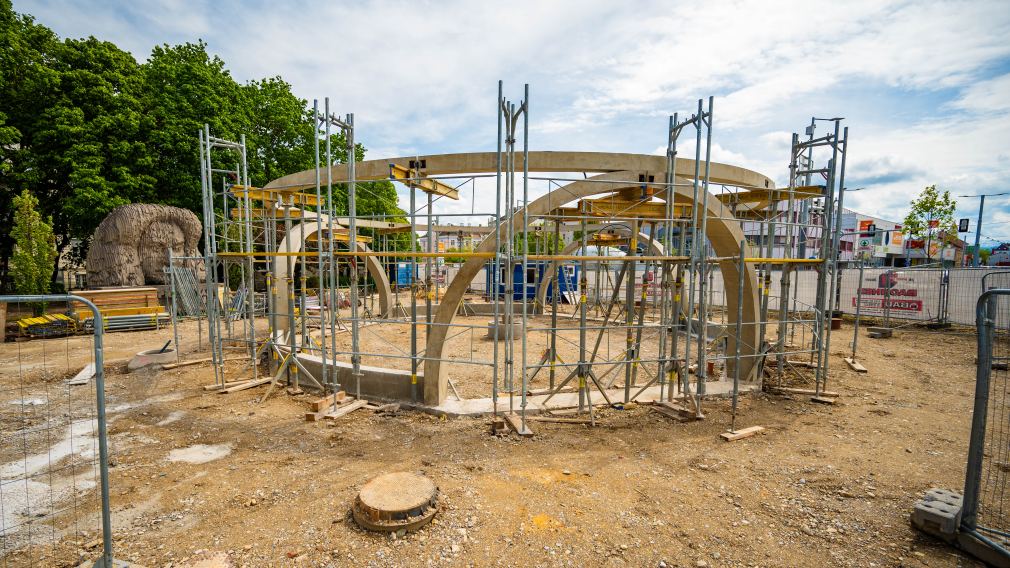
x: 273, y: 195
x: 772, y: 195
x: 413, y: 178
x: 260, y: 213
x: 340, y: 237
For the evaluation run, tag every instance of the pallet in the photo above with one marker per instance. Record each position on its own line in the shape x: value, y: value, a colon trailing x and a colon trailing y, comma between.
x: 855, y: 365
x: 740, y: 434
x: 515, y: 422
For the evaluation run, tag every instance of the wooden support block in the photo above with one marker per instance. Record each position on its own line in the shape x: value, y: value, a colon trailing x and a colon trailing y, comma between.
x: 743, y: 433
x: 822, y: 399
x: 345, y: 409
x: 855, y: 365
x: 245, y: 385
x: 788, y: 390
x: 497, y: 426
x: 327, y: 401
x: 515, y: 422
x: 879, y: 332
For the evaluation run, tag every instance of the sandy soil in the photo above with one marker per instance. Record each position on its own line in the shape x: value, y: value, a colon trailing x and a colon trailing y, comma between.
x: 229, y: 481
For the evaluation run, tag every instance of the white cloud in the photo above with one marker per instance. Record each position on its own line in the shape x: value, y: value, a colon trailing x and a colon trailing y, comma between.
x: 422, y: 76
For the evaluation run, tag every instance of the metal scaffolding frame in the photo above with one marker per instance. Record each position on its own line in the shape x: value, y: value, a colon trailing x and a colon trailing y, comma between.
x: 661, y: 296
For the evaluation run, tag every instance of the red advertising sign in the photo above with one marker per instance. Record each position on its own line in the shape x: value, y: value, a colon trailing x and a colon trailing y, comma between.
x: 891, y: 290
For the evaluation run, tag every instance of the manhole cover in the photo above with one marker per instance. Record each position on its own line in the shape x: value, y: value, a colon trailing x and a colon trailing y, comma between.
x: 395, y: 501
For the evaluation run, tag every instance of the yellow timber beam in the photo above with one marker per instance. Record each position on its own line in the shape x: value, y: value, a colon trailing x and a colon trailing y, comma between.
x: 771, y: 195
x: 273, y: 195
x: 340, y: 237
x: 412, y: 178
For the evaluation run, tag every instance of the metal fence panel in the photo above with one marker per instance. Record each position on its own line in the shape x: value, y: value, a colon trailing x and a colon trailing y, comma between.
x: 53, y: 450
x: 986, y: 512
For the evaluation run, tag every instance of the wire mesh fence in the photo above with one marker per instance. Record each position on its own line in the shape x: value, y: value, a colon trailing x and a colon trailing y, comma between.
x: 986, y: 513
x: 53, y: 457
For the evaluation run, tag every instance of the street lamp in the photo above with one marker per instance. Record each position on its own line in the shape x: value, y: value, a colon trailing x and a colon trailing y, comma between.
x: 978, y: 226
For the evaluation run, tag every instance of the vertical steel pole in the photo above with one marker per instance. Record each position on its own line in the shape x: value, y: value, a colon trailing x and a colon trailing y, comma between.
x: 353, y: 241
x: 976, y: 256
x: 175, y: 307
x: 332, y: 263
x: 319, y: 241
x: 741, y: 268
x: 702, y: 371
x: 859, y: 309
x: 526, y: 241
x: 495, y: 265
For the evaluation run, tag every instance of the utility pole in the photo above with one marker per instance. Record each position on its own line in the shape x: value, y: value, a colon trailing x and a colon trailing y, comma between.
x: 975, y: 257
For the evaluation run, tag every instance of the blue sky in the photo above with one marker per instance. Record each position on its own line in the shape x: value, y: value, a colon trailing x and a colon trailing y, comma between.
x: 924, y: 86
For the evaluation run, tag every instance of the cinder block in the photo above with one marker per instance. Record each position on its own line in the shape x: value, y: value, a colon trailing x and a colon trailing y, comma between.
x: 938, y: 513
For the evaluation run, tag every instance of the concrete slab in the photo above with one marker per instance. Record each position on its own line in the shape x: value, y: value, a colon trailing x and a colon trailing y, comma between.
x: 536, y: 405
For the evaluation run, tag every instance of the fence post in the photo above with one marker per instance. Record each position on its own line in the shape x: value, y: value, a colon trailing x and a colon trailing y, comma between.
x: 973, y: 474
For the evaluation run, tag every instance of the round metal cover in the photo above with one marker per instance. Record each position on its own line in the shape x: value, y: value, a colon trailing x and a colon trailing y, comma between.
x: 394, y: 501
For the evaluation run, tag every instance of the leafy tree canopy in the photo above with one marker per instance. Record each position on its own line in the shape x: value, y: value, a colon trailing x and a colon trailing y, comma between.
x: 85, y: 128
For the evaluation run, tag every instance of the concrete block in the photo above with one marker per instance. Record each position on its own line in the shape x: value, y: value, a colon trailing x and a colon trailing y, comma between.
x: 496, y: 330
x: 938, y: 513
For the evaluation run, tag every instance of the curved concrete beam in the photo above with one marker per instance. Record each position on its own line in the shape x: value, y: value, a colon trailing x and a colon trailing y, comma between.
x: 303, y: 231
x: 541, y: 297
x: 724, y: 232
x: 485, y: 162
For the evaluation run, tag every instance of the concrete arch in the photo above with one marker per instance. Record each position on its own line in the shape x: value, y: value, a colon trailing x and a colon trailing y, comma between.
x: 539, y: 161
x: 541, y: 297
x: 724, y: 233
x: 300, y: 233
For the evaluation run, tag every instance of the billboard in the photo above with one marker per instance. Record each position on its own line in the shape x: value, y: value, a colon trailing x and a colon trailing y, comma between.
x: 897, y: 290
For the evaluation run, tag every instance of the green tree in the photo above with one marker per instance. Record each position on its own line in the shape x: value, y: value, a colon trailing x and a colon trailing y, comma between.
x: 932, y: 218
x: 34, y: 247
x: 184, y: 88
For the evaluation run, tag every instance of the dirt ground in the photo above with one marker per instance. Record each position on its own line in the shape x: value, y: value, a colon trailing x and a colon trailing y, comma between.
x: 823, y: 485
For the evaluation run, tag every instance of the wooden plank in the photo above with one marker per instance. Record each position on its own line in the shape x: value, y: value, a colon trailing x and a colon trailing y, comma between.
x: 245, y: 385
x: 672, y: 413
x: 83, y: 376
x: 855, y: 365
x: 558, y: 420
x: 742, y: 433
x: 788, y: 390
x: 345, y: 409
x: 169, y: 366
x: 226, y: 385
x: 326, y: 402
x: 515, y: 422
x: 822, y: 399
x: 3, y: 321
